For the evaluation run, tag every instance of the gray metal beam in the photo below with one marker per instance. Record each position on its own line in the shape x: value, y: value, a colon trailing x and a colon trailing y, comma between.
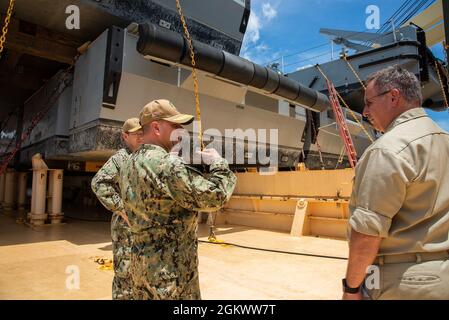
x: 165, y: 15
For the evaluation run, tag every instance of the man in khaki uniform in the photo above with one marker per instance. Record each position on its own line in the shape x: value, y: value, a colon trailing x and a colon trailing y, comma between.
x: 399, y: 208
x: 106, y: 188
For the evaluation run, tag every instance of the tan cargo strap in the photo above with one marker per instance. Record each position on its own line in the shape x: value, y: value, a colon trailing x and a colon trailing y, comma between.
x: 412, y: 257
x: 354, y: 72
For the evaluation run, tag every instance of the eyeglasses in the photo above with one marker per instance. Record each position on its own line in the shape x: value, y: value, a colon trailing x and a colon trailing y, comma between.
x: 368, y: 102
x: 138, y: 133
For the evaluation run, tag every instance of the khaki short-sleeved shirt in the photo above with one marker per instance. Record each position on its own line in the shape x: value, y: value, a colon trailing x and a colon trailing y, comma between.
x: 401, y: 187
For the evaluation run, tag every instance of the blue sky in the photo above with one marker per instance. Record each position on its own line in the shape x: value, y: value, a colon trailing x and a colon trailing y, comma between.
x: 287, y: 27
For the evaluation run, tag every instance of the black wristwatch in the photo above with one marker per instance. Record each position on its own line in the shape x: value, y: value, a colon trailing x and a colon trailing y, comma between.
x: 347, y: 289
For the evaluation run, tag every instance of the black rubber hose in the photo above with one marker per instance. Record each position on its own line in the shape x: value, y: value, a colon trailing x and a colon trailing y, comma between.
x: 276, y: 251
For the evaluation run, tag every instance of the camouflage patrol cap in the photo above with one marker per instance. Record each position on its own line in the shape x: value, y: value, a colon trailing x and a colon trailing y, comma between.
x: 131, y: 125
x: 162, y: 109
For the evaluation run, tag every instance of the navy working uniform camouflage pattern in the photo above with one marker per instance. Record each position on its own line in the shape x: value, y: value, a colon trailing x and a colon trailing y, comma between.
x: 162, y: 197
x: 106, y: 187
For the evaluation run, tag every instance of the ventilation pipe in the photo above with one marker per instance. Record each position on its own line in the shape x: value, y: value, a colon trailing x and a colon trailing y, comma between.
x: 55, y: 196
x: 39, y: 191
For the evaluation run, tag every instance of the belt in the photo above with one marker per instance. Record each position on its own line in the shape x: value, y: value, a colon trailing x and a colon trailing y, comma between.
x: 412, y: 257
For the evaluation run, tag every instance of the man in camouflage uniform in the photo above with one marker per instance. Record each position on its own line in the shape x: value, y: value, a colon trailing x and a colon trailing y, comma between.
x: 105, y: 186
x: 162, y: 197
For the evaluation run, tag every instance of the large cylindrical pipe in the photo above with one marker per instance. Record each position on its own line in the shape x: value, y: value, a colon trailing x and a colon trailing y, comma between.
x: 55, y: 196
x: 38, y: 214
x: 41, y: 191
x: 57, y: 191
x: 21, y: 190
x: 8, y: 204
x: 171, y: 46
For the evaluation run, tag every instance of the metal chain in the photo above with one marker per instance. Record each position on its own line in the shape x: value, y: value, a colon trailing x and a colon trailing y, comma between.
x: 355, y: 73
x: 441, y: 84
x: 347, y: 107
x: 6, y: 25
x: 194, y: 73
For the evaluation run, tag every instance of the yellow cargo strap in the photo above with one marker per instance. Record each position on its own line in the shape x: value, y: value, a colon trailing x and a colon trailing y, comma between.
x: 353, y: 71
x: 194, y: 74
x: 6, y: 25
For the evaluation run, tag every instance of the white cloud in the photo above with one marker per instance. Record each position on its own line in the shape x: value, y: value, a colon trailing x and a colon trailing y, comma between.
x: 268, y: 11
x: 262, y: 13
x: 261, y: 47
x: 252, y: 34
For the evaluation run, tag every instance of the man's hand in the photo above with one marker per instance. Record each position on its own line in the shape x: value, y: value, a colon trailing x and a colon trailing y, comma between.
x: 362, y: 252
x: 209, y: 156
x: 349, y: 296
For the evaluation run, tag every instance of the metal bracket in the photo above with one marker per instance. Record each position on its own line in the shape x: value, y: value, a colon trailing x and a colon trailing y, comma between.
x: 113, y: 66
x: 245, y: 18
x: 423, y: 60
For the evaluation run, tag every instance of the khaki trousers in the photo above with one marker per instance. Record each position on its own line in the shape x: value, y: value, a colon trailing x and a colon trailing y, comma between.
x: 427, y: 280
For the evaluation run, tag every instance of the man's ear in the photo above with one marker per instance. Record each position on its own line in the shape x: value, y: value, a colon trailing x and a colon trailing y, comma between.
x: 155, y: 127
x: 395, y: 96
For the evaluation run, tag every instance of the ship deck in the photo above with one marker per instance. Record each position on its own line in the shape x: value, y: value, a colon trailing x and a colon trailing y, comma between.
x: 34, y: 262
